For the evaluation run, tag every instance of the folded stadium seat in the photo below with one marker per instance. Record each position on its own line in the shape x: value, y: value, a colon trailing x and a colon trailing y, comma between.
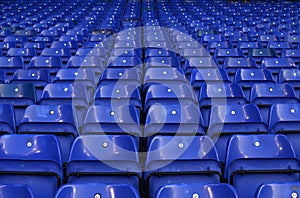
x: 72, y: 45
x: 279, y: 46
x: 208, y: 76
x: 180, y: 159
x: 19, y: 96
x: 169, y: 93
x: 284, y: 119
x: 127, y: 75
x: 259, y: 53
x: 39, y: 78
x: 211, y: 37
x: 246, y: 45
x: 265, y: 39
x: 118, y: 119
x: 51, y: 63
x: 96, y: 190
x: 7, y: 120
x: 278, y: 190
x: 187, y: 53
x: 293, y: 39
x: 213, y: 45
x: 5, y: 46
x: 60, y: 120
x: 38, y: 46
x: 76, y: 37
x: 46, y: 39
x: 246, y: 78
x: 199, y: 63
x: 159, y: 44
x: 25, y: 53
x: 259, y: 159
x: 19, y: 40
x: 292, y: 53
x: 265, y: 94
x: 3, y: 34
x: 84, y: 76
x: 219, y: 94
x: 160, y: 61
x: 54, y: 32
x: 63, y: 53
x: 232, y: 64
x: 104, y: 159
x: 67, y: 93
x: 173, y: 119
x: 78, y: 31
x: 183, y: 45
x: 131, y: 52
x: 31, y: 160
x: 92, y: 62
x: 292, y: 77
x: 227, y: 120
x: 15, y: 190
x: 10, y: 64
x: 97, y: 51
x: 163, y: 75
x: 222, y: 53
x: 159, y: 52
x: 27, y: 33
x: 234, y: 39
x: 196, y: 190
x: 274, y: 65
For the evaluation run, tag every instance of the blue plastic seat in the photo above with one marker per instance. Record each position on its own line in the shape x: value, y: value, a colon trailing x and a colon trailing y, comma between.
x: 292, y: 53
x: 76, y: 37
x: 208, y: 76
x: 219, y: 94
x: 248, y: 77
x: 112, y: 120
x: 179, y: 119
x: 266, y: 94
x: 292, y: 77
x: 7, y: 120
x: 15, y: 190
x: 213, y: 45
x: 67, y: 93
x: 19, y: 96
x: 211, y: 37
x: 279, y: 46
x: 124, y: 62
x: 5, y: 46
x: 294, y: 39
x: 222, y: 53
x: 160, y: 61
x: 164, y: 76
x: 284, y: 119
x: 278, y: 190
x: 72, y: 45
x: 132, y: 75
x: 19, y: 158
x: 180, y: 159
x: 10, y: 64
x: 227, y: 120
x: 259, y: 53
x: 276, y: 64
x: 259, y: 159
x: 59, y: 120
x: 63, y: 53
x: 25, y: 53
x: 169, y: 93
x: 96, y: 189
x: 199, y: 63
x: 246, y: 45
x: 118, y: 93
x: 265, y: 39
x: 158, y: 52
x: 232, y: 64
x: 38, y: 46
x: 92, y: 62
x: 193, y: 52
x: 19, y: 40
x: 97, y: 51
x: 46, y: 39
x: 111, y: 159
x: 133, y: 52
x: 197, y: 190
x: 51, y: 63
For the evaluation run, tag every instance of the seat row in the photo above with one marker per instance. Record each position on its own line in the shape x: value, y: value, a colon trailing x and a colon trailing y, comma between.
x: 259, y: 159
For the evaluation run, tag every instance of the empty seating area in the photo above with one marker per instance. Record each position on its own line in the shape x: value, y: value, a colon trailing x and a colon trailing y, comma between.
x: 149, y: 99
